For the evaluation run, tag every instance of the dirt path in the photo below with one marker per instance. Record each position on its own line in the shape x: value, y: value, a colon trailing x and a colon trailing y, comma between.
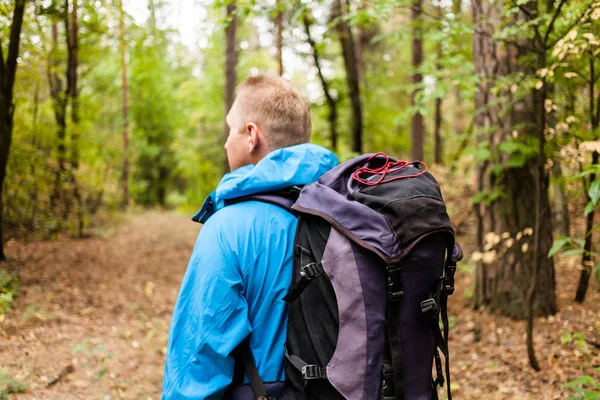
x: 102, y: 306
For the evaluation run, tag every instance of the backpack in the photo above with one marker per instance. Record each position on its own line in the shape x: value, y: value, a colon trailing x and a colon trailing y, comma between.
x: 374, y: 263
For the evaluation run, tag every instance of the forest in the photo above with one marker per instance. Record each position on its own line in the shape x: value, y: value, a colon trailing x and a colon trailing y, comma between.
x: 112, y: 126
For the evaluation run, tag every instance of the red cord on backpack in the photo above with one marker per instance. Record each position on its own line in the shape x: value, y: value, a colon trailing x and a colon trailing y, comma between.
x: 388, y: 167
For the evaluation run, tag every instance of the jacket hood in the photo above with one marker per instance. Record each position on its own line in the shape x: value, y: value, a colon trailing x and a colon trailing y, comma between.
x: 290, y: 166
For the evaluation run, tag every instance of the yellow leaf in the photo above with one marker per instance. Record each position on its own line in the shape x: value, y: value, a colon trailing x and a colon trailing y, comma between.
x: 149, y: 288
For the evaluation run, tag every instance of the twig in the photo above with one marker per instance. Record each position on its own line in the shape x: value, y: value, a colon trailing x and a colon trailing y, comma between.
x: 64, y: 372
x: 571, y: 26
x: 551, y: 26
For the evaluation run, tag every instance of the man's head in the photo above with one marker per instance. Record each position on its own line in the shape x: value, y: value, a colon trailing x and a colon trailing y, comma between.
x: 269, y: 113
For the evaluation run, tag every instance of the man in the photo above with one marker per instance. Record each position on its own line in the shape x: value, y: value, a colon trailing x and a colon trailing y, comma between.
x: 241, y: 266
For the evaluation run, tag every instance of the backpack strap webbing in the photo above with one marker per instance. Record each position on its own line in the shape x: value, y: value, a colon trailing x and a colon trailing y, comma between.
x: 437, y: 306
x: 309, y: 371
x: 393, y: 361
x: 434, y: 307
x: 283, y: 198
x: 244, y: 362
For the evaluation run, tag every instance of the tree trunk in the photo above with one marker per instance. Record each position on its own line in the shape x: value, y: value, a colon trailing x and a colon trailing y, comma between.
x: 504, y: 285
x: 279, y: 36
x: 60, y: 114
x: 586, y: 259
x: 124, y: 109
x: 8, y: 71
x: 561, y: 203
x: 330, y: 100
x: 437, y: 130
x: 230, y: 68
x: 73, y: 45
x: 352, y: 78
x: 417, y: 129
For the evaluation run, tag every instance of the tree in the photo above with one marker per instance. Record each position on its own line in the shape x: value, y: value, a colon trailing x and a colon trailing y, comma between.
x: 279, y: 35
x: 124, y: 109
x: 60, y: 99
x: 592, y: 186
x: 230, y: 67
x: 8, y: 72
x: 333, y: 113
x: 510, y: 168
x: 340, y: 8
x: 417, y: 129
x: 437, y: 130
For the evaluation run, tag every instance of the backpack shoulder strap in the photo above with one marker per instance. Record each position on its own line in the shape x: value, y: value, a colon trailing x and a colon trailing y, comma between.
x: 283, y: 198
x: 244, y: 362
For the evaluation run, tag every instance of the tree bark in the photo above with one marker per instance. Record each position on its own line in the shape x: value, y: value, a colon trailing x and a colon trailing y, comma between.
x: 124, y: 109
x: 417, y: 129
x: 333, y: 113
x: 72, y: 29
x: 437, y: 130
x: 586, y: 259
x: 504, y: 285
x: 561, y: 203
x: 60, y: 114
x: 8, y: 71
x: 279, y: 36
x: 230, y: 68
x: 352, y: 78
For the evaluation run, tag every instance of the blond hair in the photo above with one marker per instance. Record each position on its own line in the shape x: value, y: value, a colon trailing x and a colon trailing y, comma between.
x: 277, y: 107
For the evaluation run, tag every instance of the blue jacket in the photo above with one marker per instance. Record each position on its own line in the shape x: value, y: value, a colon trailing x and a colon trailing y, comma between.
x: 239, y: 271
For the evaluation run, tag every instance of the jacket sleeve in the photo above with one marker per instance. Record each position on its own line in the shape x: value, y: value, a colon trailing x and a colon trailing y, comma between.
x: 209, y: 321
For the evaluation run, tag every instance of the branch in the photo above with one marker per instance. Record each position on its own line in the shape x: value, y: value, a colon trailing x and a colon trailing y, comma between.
x: 531, y: 18
x: 551, y: 26
x: 518, y: 45
x: 571, y: 26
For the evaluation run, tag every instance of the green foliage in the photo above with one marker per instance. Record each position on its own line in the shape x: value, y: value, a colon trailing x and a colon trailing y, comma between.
x: 9, y: 285
x: 585, y: 388
x: 10, y: 385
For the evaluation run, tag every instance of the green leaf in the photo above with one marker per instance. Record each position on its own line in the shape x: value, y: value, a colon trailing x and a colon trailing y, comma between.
x: 589, y: 208
x: 566, y: 338
x: 558, y: 244
x: 595, y: 191
x: 573, y: 252
x: 592, y: 396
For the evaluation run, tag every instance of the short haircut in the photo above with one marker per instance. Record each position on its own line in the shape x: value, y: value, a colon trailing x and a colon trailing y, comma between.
x: 277, y: 107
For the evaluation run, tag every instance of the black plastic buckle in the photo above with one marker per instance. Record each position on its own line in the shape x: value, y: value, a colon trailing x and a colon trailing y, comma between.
x: 448, y: 290
x: 430, y: 306
x: 311, y: 271
x: 311, y: 372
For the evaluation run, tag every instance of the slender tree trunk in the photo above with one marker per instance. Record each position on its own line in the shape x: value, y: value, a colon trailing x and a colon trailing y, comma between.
x: 8, y: 71
x: 73, y: 77
x: 73, y: 38
x: 586, y: 259
x: 279, y: 36
x: 504, y: 285
x: 124, y: 109
x: 60, y: 112
x: 561, y: 203
x: 352, y: 78
x: 230, y: 67
x: 417, y: 129
x: 437, y: 130
x: 330, y: 100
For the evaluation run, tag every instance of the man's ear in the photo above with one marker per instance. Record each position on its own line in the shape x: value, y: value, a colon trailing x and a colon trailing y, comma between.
x: 254, y: 138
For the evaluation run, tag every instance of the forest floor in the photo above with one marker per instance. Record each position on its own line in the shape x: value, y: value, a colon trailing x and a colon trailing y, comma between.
x: 93, y: 315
